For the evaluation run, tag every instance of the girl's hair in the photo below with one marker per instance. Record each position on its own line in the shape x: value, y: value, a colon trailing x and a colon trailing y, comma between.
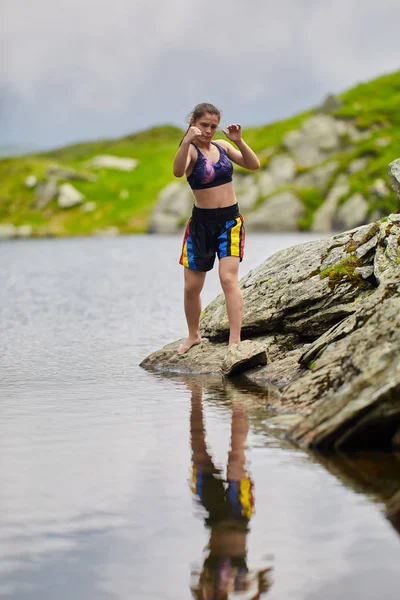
x: 200, y: 110
x: 203, y: 108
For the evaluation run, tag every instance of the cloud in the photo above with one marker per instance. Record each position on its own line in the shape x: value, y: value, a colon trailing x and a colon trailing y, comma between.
x: 79, y: 69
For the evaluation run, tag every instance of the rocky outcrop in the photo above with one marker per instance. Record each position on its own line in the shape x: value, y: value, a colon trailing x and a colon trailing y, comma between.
x: 327, y: 315
x: 281, y: 212
x: 108, y: 161
x: 305, y: 182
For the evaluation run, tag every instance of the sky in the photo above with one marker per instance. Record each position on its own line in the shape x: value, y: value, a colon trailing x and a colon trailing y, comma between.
x: 77, y: 70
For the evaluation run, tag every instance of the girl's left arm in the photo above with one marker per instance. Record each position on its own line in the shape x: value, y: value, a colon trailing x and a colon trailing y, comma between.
x: 244, y: 156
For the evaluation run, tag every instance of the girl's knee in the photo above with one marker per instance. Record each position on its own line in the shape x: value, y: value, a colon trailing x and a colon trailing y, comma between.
x: 193, y: 288
x: 228, y: 281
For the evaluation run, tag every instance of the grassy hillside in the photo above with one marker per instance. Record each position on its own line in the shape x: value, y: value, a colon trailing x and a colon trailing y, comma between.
x: 376, y: 103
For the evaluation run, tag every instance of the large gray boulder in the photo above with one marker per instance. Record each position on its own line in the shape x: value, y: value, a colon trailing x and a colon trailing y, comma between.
x: 327, y: 315
x: 318, y: 137
x: 172, y: 209
x: 351, y: 213
x: 325, y: 215
x: 318, y: 177
x: 280, y: 212
x: 246, y: 190
x: 282, y: 169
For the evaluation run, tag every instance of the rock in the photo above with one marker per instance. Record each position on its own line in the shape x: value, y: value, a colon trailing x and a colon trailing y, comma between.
x: 107, y: 161
x: 7, y: 231
x: 366, y: 247
x: 324, y: 216
x: 281, y: 212
x: 330, y: 104
x: 394, y: 175
x: 365, y: 272
x: 243, y: 356
x: 319, y: 137
x: 164, y: 224
x: 358, y: 164
x: 172, y: 209
x: 111, y: 231
x: 350, y: 130
x: 305, y: 152
x: 45, y: 192
x: 88, y: 206
x: 352, y: 213
x: 292, y: 291
x: 62, y: 173
x: 383, y: 142
x: 280, y: 371
x: 266, y: 184
x: 246, y: 191
x: 206, y: 357
x: 267, y: 152
x: 69, y: 196
x: 379, y: 188
x: 364, y: 405
x: 332, y: 337
x: 318, y: 177
x: 24, y: 231
x: 248, y: 200
x: 282, y: 168
x: 321, y: 129
x: 31, y: 181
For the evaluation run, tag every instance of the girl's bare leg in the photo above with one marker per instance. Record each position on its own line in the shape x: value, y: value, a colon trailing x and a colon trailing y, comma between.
x: 194, y: 281
x: 229, y: 277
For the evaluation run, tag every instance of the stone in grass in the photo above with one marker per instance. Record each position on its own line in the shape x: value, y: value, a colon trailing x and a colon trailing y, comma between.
x: 243, y: 356
x: 69, y: 196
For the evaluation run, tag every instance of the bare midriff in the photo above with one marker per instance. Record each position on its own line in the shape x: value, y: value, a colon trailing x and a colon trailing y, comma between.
x: 216, y: 197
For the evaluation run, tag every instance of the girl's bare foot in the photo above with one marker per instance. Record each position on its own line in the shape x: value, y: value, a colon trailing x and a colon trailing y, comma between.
x: 188, y: 343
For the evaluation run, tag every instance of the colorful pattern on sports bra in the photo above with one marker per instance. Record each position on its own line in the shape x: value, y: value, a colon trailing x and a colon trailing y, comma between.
x: 207, y: 174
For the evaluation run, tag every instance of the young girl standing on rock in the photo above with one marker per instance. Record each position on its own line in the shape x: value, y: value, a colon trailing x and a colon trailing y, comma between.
x: 216, y: 225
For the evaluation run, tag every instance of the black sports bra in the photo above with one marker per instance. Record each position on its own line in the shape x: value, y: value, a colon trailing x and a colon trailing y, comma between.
x: 207, y: 174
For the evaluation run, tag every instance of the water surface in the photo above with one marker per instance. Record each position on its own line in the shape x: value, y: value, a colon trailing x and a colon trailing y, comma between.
x: 98, y: 494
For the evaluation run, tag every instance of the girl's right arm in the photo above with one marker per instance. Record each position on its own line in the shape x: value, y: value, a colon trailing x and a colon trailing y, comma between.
x: 186, y: 152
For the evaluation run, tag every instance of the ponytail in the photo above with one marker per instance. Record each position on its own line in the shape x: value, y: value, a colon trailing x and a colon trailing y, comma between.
x: 180, y: 143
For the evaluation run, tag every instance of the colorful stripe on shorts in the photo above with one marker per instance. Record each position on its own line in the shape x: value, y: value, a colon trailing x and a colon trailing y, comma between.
x: 187, y: 256
x: 232, y: 240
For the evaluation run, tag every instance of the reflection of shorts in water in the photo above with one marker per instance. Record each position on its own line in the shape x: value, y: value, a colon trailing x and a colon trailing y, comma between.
x: 223, y: 500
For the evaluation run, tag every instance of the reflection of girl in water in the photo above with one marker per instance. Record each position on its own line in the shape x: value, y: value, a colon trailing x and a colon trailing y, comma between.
x: 229, y: 505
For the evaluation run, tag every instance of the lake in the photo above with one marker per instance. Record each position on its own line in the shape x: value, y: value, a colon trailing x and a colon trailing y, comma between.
x: 116, y: 483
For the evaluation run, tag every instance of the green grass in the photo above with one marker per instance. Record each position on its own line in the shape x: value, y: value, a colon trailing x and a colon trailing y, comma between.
x: 375, y: 104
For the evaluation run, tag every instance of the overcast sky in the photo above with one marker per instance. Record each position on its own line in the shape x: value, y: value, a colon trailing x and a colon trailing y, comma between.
x: 76, y: 70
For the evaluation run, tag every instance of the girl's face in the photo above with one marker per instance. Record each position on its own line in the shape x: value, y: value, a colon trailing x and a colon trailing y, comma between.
x: 208, y: 125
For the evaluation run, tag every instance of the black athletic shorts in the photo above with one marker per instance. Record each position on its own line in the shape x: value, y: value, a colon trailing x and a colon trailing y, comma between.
x: 212, y: 231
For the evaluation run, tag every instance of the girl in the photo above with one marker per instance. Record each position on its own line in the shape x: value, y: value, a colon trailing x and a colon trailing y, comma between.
x: 216, y: 226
